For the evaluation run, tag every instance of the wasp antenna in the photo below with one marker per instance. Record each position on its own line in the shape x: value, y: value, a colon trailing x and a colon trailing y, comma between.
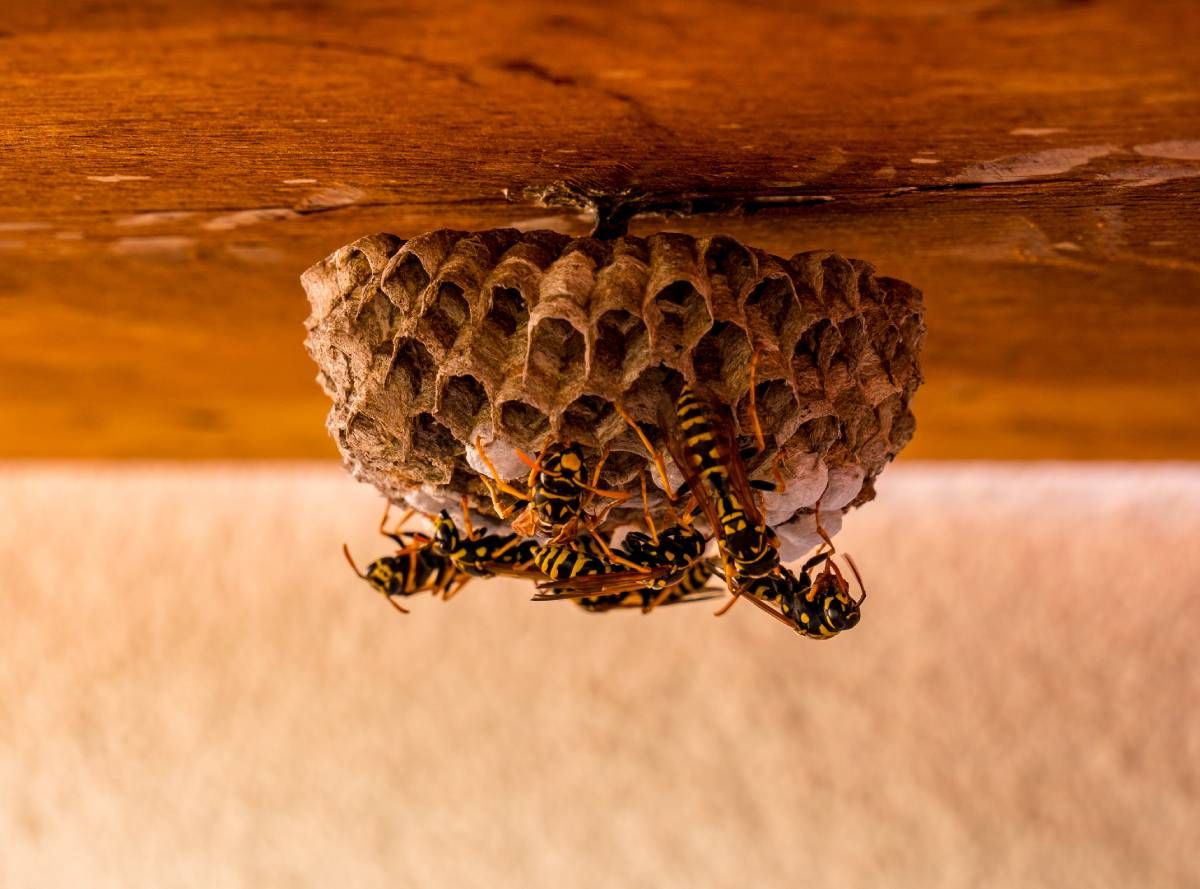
x: 499, y: 482
x: 350, y: 559
x: 857, y: 577
x: 397, y: 605
x: 758, y: 433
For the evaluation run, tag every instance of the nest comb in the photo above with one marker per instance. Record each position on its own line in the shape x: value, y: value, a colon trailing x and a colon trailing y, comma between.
x: 428, y: 345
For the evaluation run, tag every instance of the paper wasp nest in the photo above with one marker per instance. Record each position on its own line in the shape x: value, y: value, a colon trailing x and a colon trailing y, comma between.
x: 507, y: 336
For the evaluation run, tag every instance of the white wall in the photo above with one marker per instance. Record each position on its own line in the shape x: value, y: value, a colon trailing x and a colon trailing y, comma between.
x: 194, y: 690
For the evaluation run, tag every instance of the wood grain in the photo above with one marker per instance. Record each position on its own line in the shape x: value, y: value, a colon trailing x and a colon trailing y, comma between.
x: 168, y: 170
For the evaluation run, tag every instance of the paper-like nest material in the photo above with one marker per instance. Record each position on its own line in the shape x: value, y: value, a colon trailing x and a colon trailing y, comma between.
x: 511, y: 336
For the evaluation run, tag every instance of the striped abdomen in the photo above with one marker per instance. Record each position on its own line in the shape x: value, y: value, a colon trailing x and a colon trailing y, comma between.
x: 480, y: 554
x: 414, y: 572
x: 700, y: 441
x: 749, y: 545
x: 562, y: 562
x: 558, y: 489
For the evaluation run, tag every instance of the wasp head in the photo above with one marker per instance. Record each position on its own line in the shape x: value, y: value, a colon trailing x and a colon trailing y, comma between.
x: 687, y: 542
x: 384, y: 575
x: 826, y: 608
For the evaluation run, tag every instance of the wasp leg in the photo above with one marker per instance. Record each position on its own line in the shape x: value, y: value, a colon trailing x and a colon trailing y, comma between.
x: 408, y: 514
x: 453, y: 590
x: 734, y: 589
x: 814, y: 561
x: 613, y: 557
x: 858, y: 577
x: 350, y: 559
x: 754, y: 423
x: 466, y: 512
x: 498, y: 482
x: 646, y: 517
x: 654, y: 453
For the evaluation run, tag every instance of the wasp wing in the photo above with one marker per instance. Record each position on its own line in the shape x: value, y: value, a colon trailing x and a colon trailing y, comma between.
x: 588, y: 585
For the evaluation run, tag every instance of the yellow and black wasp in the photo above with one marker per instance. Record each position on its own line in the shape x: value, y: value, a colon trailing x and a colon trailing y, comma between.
x: 645, y: 571
x: 478, y: 553
x: 443, y: 563
x: 818, y: 608
x: 553, y: 506
x: 415, y: 568
x: 701, y: 443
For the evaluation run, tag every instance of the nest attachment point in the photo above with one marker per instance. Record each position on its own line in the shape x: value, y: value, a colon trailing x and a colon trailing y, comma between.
x: 506, y: 337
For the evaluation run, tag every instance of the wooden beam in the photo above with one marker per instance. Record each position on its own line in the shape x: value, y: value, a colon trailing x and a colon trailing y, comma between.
x: 170, y: 170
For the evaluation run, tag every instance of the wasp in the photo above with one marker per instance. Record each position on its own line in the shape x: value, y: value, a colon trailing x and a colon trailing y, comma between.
x: 688, y: 588
x: 443, y: 563
x: 702, y: 445
x: 651, y: 571
x: 415, y: 568
x: 558, y: 485
x: 478, y: 553
x: 818, y: 608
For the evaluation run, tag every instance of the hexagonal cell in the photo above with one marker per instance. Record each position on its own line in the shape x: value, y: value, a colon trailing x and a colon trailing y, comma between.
x: 444, y: 318
x: 722, y: 360
x: 622, y: 345
x: 620, y: 467
x: 810, y: 358
x: 412, y: 368
x: 523, y: 424
x: 853, y: 333
x: 818, y: 435
x: 555, y: 356
x: 507, y: 313
x: 404, y: 280
x: 433, y: 438
x: 376, y: 316
x: 590, y: 420
x: 777, y: 407
x: 684, y: 316
x: 728, y: 258
x: 653, y: 390
x: 463, y: 399
x: 839, y: 286
x: 771, y: 308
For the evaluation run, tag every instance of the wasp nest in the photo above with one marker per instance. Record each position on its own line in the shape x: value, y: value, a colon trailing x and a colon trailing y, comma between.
x: 429, y: 345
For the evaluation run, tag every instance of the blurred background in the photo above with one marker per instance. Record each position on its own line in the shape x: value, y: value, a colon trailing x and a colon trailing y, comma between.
x: 195, y: 689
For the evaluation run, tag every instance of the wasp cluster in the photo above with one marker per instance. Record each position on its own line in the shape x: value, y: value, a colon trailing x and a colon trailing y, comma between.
x: 574, y: 559
x: 437, y: 349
